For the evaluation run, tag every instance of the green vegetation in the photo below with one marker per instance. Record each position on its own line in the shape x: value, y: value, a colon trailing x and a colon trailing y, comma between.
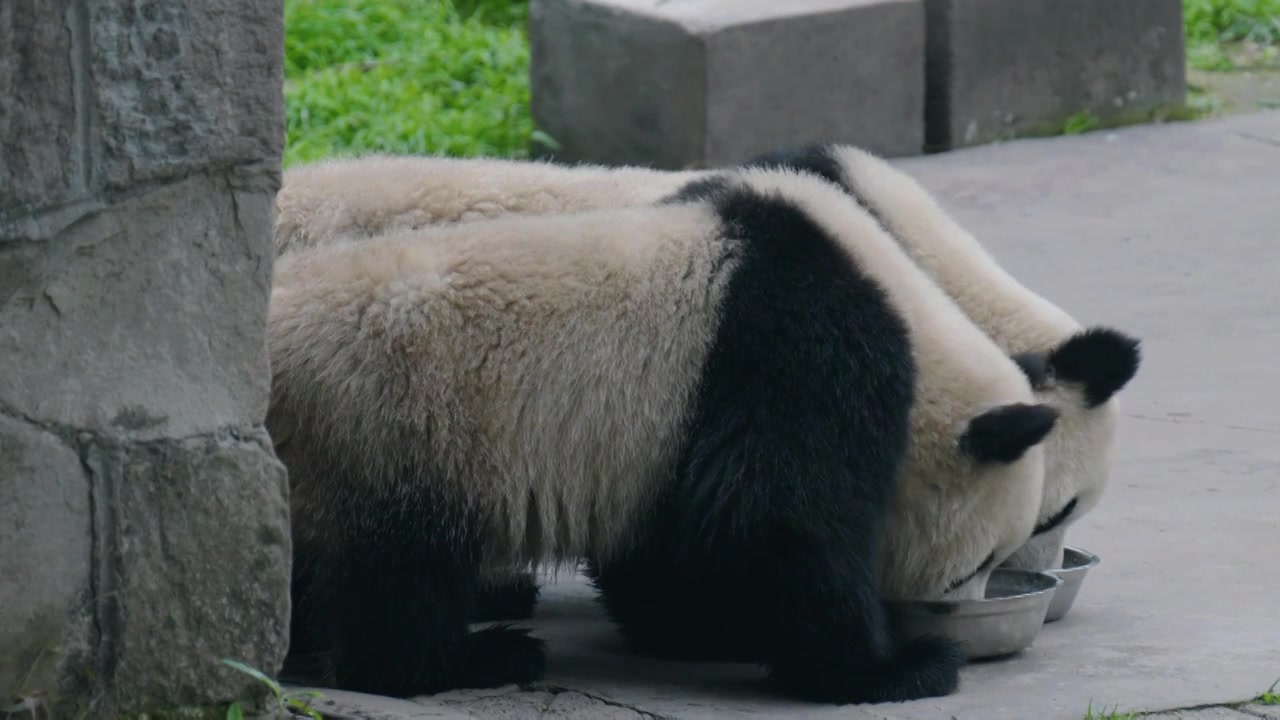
x: 406, y: 76
x: 1105, y: 714
x: 1270, y: 697
x: 1232, y: 34
x: 292, y: 703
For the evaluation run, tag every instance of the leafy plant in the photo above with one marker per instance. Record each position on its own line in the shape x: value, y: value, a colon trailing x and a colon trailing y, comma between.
x: 1081, y: 122
x: 1104, y: 714
x: 1217, y: 30
x: 287, y: 703
x: 1270, y: 697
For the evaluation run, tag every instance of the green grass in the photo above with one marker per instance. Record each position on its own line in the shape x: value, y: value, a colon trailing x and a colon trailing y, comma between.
x: 1105, y: 714
x: 406, y: 76
x: 1232, y: 34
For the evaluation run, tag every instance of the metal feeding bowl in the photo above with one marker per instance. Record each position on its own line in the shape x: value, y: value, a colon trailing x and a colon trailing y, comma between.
x: 1076, y: 563
x: 1006, y: 621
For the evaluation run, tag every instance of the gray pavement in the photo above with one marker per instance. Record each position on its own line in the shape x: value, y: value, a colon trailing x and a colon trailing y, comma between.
x: 1169, y: 232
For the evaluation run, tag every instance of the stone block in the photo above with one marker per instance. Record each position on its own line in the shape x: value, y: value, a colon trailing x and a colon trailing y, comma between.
x: 181, y: 86
x: 1003, y: 68
x: 146, y: 319
x: 702, y: 84
x: 46, y: 534
x: 194, y: 561
x: 41, y: 150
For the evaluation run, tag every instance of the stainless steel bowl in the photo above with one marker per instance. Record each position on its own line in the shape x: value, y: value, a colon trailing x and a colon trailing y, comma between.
x: 1006, y: 621
x: 1076, y: 563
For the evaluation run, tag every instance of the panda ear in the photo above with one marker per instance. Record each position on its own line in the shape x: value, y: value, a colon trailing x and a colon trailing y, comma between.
x: 1035, y: 367
x: 1100, y: 359
x: 1004, y: 434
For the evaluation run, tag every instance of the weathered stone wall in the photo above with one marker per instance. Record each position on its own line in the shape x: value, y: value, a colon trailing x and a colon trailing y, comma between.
x: 143, y: 519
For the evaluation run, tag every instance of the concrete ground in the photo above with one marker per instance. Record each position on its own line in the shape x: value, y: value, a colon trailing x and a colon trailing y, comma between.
x: 1169, y: 232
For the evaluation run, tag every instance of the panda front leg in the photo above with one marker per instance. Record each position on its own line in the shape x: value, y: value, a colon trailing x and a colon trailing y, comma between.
x: 394, y: 594
x: 789, y: 579
x: 830, y: 640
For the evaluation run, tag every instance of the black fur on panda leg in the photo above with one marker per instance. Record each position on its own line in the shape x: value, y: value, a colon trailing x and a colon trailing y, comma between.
x: 769, y: 535
x: 671, y: 615
x: 506, y: 598
x: 383, y: 608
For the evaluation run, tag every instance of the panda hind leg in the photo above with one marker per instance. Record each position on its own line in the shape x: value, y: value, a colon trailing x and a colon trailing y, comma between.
x: 398, y: 601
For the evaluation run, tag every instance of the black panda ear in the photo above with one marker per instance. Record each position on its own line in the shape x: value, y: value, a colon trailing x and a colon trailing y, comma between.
x: 1005, y: 433
x: 1101, y: 359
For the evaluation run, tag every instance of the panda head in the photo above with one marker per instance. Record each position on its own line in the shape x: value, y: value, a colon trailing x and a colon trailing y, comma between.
x: 966, y: 502
x: 1080, y: 378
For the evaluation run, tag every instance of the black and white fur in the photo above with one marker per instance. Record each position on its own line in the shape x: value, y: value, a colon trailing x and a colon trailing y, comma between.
x: 1076, y: 370
x: 737, y: 385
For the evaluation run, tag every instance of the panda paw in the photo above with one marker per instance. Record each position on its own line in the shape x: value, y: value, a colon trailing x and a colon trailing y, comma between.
x: 510, y: 599
x: 501, y: 655
x: 925, y: 667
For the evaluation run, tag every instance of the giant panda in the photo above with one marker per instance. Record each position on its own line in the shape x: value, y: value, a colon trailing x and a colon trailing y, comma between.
x: 1075, y: 369
x: 747, y: 383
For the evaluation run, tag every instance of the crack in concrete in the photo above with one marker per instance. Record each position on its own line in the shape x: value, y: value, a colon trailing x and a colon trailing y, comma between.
x: 1177, y: 421
x: 1244, y: 709
x: 1258, y: 138
x: 557, y: 690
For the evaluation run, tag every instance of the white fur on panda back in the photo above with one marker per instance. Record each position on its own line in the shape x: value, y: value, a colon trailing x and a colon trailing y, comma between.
x: 408, y: 337
x: 362, y: 197
x: 962, y: 374
x: 1018, y: 319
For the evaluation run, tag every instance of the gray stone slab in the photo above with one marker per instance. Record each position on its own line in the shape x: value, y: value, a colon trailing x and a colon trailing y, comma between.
x: 680, y: 84
x: 1267, y: 712
x: 193, y: 566
x: 147, y: 319
x: 344, y: 705
x: 999, y: 68
x: 44, y: 571
x: 40, y: 147
x: 182, y: 86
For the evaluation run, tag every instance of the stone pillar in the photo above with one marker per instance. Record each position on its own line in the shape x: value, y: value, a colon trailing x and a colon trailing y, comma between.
x: 143, y: 514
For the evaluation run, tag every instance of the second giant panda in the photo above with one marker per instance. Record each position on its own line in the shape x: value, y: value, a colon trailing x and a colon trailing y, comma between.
x: 1075, y: 369
x: 748, y: 384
